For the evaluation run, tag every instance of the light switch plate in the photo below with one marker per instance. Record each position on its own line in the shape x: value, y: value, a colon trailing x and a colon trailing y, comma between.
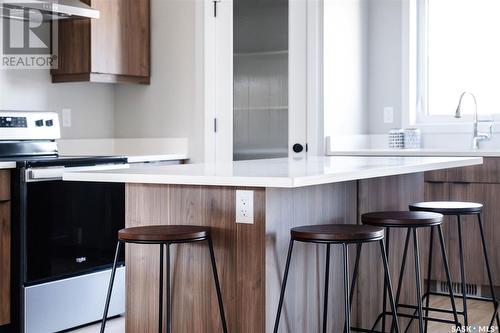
x: 244, y: 207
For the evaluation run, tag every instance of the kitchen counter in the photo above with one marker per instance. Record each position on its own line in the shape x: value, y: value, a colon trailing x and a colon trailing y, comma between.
x: 250, y: 256
x: 7, y: 164
x: 280, y: 172
x: 416, y: 152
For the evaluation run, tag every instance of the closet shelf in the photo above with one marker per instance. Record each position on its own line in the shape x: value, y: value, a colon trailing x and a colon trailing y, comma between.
x: 261, y: 54
x: 262, y: 108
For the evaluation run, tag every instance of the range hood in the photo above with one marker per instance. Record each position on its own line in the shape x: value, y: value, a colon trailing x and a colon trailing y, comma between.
x: 50, y: 9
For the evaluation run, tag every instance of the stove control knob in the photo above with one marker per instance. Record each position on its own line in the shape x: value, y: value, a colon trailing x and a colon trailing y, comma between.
x: 49, y: 123
x: 39, y: 123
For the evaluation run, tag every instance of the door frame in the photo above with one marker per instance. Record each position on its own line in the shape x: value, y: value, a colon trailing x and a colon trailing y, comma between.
x: 305, y: 79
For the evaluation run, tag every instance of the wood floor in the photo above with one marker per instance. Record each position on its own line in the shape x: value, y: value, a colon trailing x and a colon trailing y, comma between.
x: 479, y: 315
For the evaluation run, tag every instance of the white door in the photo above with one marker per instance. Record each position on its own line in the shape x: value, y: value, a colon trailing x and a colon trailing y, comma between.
x: 260, y: 69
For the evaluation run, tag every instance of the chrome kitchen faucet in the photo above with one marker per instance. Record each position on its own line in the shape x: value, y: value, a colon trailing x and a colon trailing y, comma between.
x: 477, y: 136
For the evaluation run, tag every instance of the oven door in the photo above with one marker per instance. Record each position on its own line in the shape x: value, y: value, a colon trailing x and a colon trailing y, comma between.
x: 71, y: 228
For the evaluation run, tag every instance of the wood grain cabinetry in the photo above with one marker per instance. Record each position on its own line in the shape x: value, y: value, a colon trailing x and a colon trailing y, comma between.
x: 112, y: 49
x: 5, y: 246
x: 477, y: 184
x: 251, y: 257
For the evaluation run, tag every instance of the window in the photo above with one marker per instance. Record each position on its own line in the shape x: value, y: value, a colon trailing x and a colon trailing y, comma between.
x: 457, y: 51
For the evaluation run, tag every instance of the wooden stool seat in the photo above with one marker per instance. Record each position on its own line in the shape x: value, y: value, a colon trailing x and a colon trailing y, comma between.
x: 337, y: 233
x: 341, y: 235
x: 402, y: 219
x: 164, y: 236
x: 459, y: 208
x: 413, y: 221
x: 163, y: 233
x: 448, y: 207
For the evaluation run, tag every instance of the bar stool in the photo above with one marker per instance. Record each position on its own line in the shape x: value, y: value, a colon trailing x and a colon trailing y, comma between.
x: 338, y: 234
x: 164, y: 236
x: 412, y: 221
x: 458, y: 209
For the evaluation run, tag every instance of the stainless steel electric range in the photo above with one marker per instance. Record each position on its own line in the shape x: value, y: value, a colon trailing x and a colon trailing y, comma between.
x: 63, y: 233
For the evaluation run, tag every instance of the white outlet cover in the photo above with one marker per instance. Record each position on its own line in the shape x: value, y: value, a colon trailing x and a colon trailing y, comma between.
x: 388, y: 115
x: 244, y: 207
x: 66, y: 117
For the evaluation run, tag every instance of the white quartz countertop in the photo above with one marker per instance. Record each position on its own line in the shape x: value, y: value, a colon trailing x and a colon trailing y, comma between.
x: 416, y: 152
x: 280, y: 172
x: 7, y: 164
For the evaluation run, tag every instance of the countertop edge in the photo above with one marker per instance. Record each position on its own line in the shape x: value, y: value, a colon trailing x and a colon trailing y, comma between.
x: 414, y: 153
x: 271, y: 182
x: 8, y: 165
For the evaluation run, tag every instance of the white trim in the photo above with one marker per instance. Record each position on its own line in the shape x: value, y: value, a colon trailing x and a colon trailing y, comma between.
x: 209, y: 44
x: 408, y: 62
x: 218, y: 81
x: 224, y: 81
x: 297, y: 75
x: 414, y: 94
x: 315, y: 116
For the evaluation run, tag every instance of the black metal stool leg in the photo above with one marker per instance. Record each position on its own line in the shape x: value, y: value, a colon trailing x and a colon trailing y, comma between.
x: 354, y: 276
x: 417, y: 280
x: 429, y: 274
x: 448, y: 274
x: 384, y: 301
x: 387, y: 281
x: 110, y: 287
x: 347, y: 307
x: 327, y: 278
x: 488, y: 270
x: 217, y: 285
x: 283, y: 286
x: 462, y: 270
x: 160, y: 295
x: 402, y: 270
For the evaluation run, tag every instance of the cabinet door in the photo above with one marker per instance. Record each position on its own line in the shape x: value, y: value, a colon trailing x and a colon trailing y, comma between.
x: 437, y: 192
x: 269, y: 78
x: 487, y: 194
x: 120, y: 38
x: 5, y: 247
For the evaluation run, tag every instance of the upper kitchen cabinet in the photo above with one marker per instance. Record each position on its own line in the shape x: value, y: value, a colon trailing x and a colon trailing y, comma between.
x: 112, y: 49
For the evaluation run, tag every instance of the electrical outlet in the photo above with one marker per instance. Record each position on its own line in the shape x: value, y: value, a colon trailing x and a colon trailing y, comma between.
x: 388, y: 115
x: 244, y: 207
x: 66, y: 117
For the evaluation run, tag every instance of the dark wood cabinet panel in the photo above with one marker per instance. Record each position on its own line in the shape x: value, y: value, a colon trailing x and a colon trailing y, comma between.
x: 488, y: 172
x: 486, y: 194
x: 477, y: 184
x: 437, y: 192
x: 112, y: 49
x: 5, y: 247
x: 379, y: 194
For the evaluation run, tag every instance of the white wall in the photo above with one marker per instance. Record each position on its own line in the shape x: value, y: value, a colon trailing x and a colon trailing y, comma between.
x: 345, y: 66
x: 92, y: 105
x: 171, y: 106
x: 384, y: 63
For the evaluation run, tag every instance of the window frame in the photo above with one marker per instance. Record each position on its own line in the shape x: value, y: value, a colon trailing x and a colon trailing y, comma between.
x: 415, y: 76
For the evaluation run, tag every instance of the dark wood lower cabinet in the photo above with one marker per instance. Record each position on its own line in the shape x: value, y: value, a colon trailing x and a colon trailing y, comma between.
x: 477, y: 184
x: 5, y: 247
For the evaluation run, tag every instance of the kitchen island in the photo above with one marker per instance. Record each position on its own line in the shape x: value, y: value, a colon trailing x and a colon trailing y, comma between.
x: 250, y: 257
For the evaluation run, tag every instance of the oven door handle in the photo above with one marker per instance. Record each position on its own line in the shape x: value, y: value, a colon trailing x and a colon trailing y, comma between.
x: 56, y: 173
